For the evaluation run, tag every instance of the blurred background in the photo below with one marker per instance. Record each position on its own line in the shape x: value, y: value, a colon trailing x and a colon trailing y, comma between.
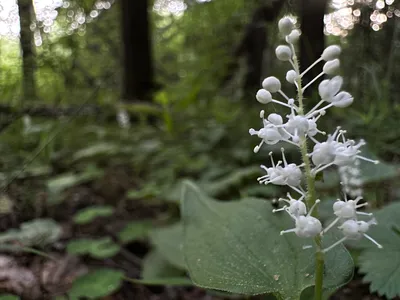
x: 107, y: 105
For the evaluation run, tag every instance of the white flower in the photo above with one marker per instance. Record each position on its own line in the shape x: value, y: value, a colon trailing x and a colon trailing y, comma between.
x: 296, y: 206
x: 289, y: 174
x: 306, y: 226
x: 328, y: 88
x: 355, y: 230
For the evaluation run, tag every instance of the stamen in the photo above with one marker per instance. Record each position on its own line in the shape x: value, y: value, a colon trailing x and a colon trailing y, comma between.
x: 335, y: 244
x: 363, y: 213
x: 372, y: 240
x: 287, y: 231
x: 283, y: 156
x: 315, y: 171
x: 330, y: 225
x: 313, y: 207
x: 367, y: 159
x: 297, y: 190
x: 315, y: 107
x: 279, y: 209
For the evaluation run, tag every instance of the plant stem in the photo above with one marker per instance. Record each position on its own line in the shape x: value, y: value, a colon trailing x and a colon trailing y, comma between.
x: 311, y: 195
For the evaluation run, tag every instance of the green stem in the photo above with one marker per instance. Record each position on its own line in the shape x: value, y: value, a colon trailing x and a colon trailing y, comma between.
x: 311, y: 195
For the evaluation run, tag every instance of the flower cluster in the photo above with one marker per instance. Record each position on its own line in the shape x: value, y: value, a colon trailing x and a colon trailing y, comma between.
x: 296, y: 128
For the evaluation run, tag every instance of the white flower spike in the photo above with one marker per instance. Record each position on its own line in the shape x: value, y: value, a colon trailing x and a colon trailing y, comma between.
x: 300, y: 125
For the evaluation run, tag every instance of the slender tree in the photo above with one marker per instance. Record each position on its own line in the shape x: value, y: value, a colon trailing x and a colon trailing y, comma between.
x: 26, y: 17
x: 138, y: 81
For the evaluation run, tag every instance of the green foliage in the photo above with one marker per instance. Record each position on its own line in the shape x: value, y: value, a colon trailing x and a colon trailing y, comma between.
x: 35, y: 233
x: 96, y: 284
x: 9, y: 297
x: 382, y: 266
x: 169, y: 241
x: 135, y: 230
x: 89, y: 214
x: 236, y: 247
x: 155, y: 266
x: 97, y: 248
x: 60, y: 183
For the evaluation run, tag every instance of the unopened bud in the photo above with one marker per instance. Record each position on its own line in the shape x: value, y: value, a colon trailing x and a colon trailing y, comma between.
x: 331, y: 67
x: 283, y: 53
x: 331, y: 52
x: 271, y: 84
x: 291, y: 76
x: 285, y: 25
x: 263, y: 96
x: 293, y: 37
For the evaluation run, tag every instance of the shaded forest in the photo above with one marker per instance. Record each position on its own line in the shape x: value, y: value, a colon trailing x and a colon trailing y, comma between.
x: 108, y: 106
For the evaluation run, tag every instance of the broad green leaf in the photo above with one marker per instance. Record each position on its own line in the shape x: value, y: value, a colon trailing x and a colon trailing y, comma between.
x: 134, y: 230
x: 36, y: 233
x: 96, y: 284
x: 87, y: 215
x: 237, y: 247
x: 9, y: 297
x: 57, y: 185
x: 382, y: 266
x: 96, y: 150
x: 170, y: 281
x: 100, y: 248
x: 168, y: 241
x: 156, y: 267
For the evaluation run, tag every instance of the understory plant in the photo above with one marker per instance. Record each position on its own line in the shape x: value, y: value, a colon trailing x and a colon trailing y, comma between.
x: 257, y: 252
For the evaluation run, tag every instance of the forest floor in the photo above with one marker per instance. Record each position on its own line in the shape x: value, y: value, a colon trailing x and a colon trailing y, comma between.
x: 38, y: 277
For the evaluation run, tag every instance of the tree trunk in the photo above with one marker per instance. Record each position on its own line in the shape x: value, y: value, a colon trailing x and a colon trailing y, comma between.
x: 26, y: 18
x: 138, y: 81
x: 312, y: 34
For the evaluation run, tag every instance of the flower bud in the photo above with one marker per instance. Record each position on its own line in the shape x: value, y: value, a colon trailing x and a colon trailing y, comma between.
x: 331, y: 52
x: 342, y: 99
x: 291, y: 76
x: 285, y: 25
x: 271, y: 84
x: 283, y: 53
x: 331, y: 67
x: 263, y: 96
x: 275, y: 119
x: 293, y: 37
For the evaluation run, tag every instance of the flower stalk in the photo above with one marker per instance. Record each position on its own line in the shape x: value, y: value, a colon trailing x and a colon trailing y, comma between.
x: 311, y: 195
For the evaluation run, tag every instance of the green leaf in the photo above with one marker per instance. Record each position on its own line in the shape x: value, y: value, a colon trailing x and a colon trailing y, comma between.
x: 170, y: 281
x: 96, y: 150
x: 237, y: 247
x: 100, y: 248
x: 134, y: 230
x: 155, y: 267
x: 9, y: 297
x: 39, y: 232
x: 57, y: 185
x: 168, y: 241
x: 88, y: 214
x: 382, y: 266
x: 96, y: 284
